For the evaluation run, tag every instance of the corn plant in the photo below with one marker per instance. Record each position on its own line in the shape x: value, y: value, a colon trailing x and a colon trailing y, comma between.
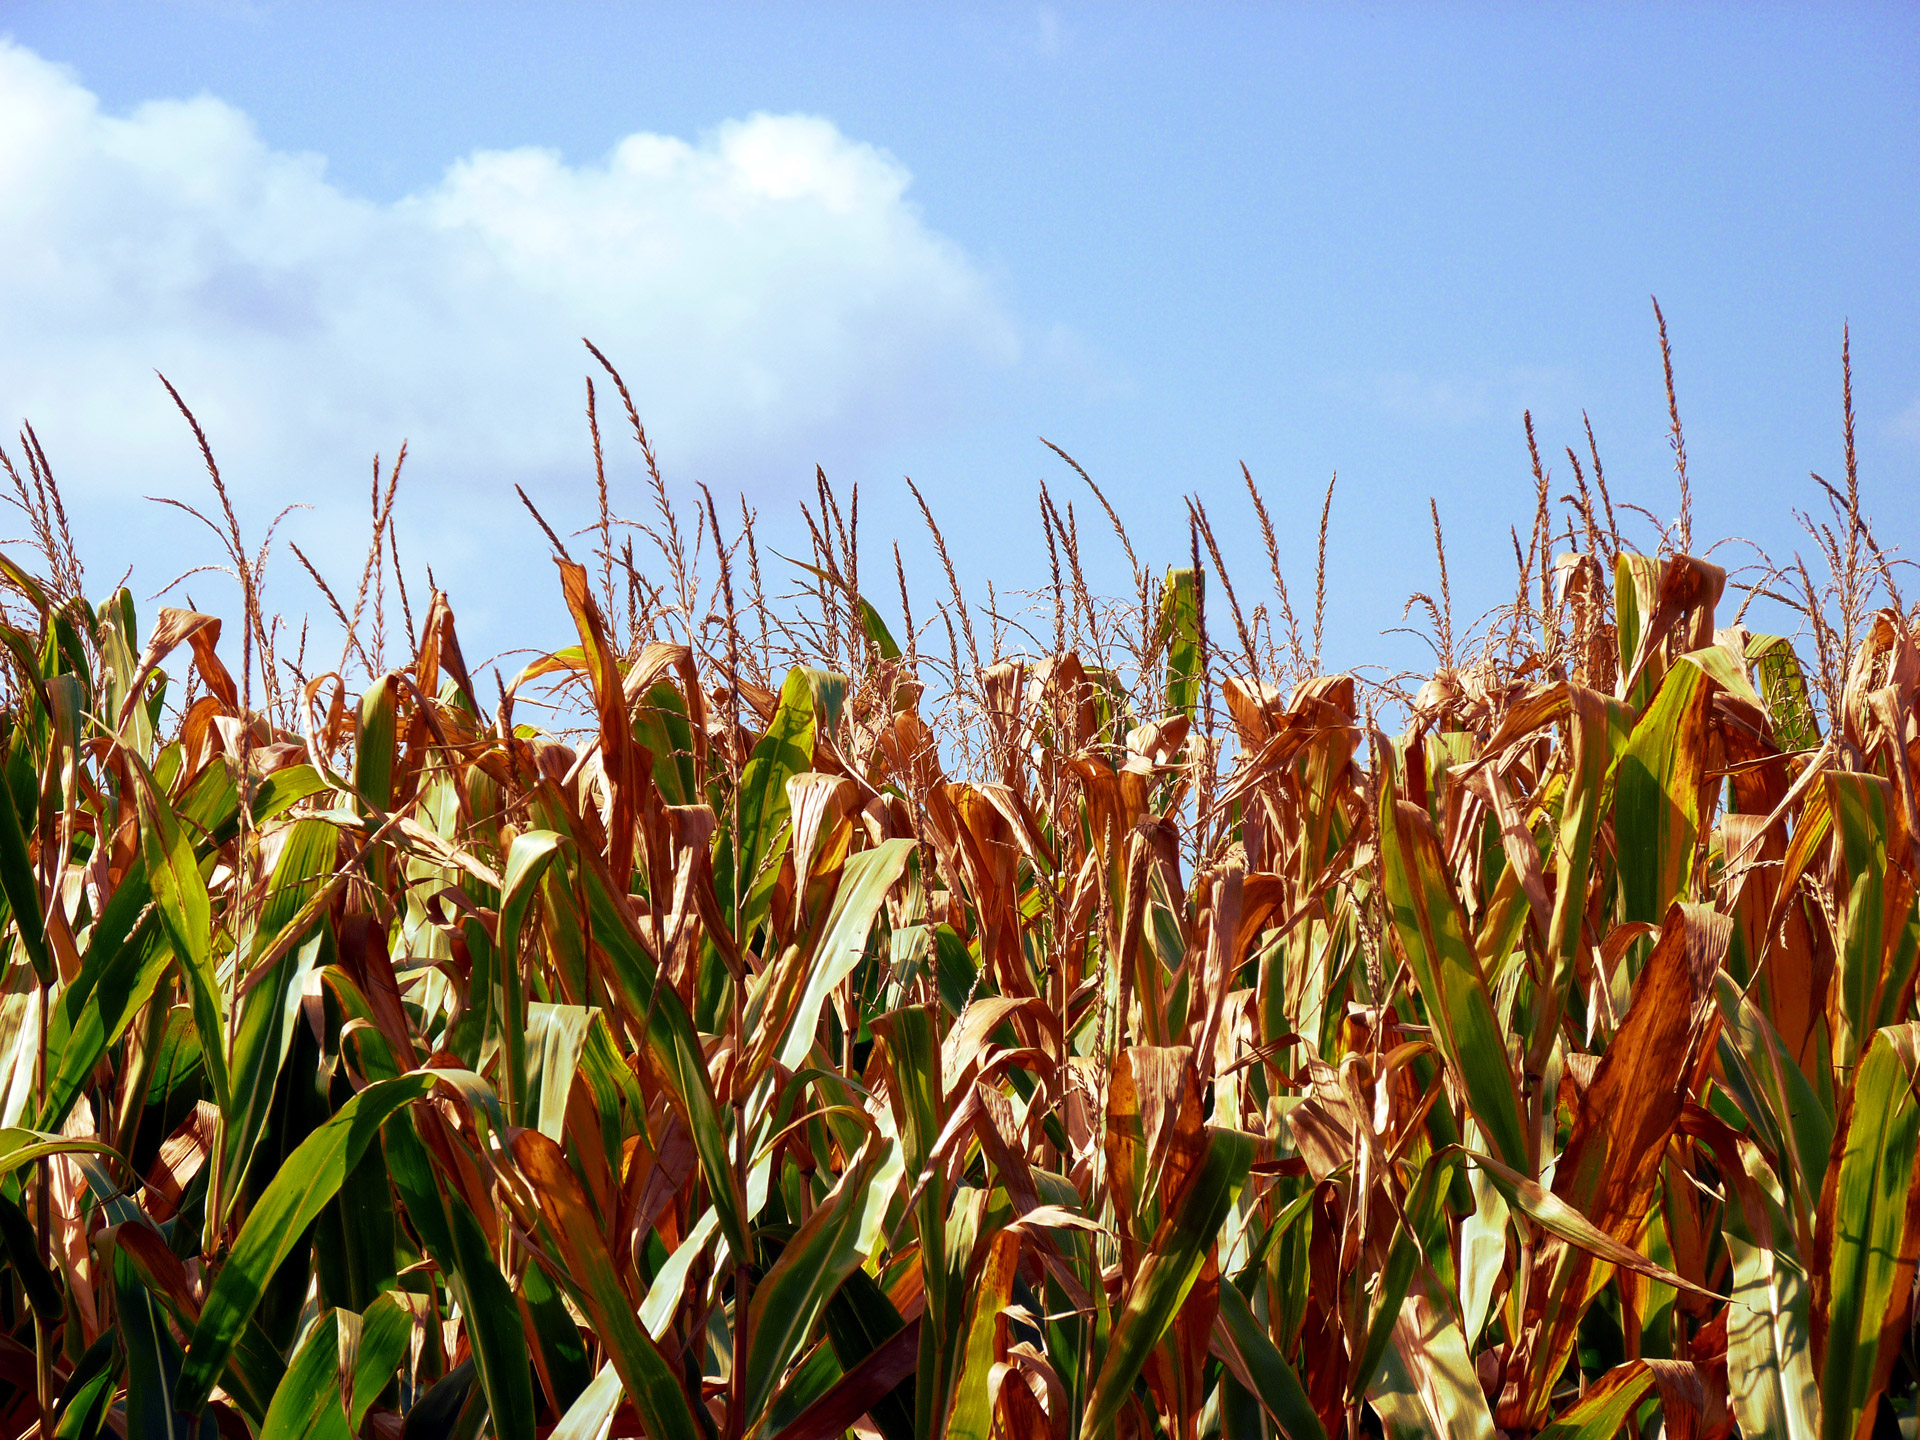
x: 807, y: 1035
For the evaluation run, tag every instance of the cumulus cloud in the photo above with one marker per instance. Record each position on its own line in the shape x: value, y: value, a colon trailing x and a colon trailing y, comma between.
x: 768, y: 290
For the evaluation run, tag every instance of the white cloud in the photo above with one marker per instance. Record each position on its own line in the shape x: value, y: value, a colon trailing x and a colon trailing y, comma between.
x: 767, y: 289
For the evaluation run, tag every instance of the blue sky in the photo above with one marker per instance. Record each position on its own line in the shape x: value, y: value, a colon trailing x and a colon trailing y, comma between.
x: 908, y: 240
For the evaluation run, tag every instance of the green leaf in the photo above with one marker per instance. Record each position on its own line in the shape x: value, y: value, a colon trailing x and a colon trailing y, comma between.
x: 306, y: 1404
x: 860, y: 1390
x: 914, y: 1090
x: 864, y: 882
x: 386, y: 1330
x: 1554, y: 1215
x: 1783, y: 685
x: 562, y: 1353
x: 270, y: 1010
x: 1775, y: 1095
x: 1258, y: 1364
x: 1859, y: 805
x: 676, y: 1047
x: 1609, y: 1402
x: 759, y: 835
x: 1870, y: 1230
x: 114, y: 985
x: 22, y: 892
x: 88, y: 1394
x: 556, y: 1036
x: 877, y: 632
x: 1657, y: 784
x: 1179, y: 631
x: 1592, y: 721
x: 1168, y: 1271
x: 180, y: 897
x: 527, y: 859
x: 971, y: 1414
x: 19, y: 1146
x: 287, y: 1207
x: 1433, y: 932
x: 1636, y: 593
x: 1770, y: 1376
x: 860, y: 1321
x: 587, y: 1417
x: 458, y: 1246
x: 661, y: 726
x: 835, y: 1241
x: 23, y: 1254
x: 153, y: 1361
x: 373, y: 750
x: 1422, y: 1208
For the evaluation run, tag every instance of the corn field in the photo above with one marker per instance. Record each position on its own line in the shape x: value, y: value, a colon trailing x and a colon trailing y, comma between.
x: 1073, y: 1016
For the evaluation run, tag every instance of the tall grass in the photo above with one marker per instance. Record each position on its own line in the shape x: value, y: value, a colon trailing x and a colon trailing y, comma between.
x: 877, y: 1011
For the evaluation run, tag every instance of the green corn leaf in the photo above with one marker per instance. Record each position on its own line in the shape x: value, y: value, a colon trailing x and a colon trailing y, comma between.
x: 306, y: 1405
x: 454, y: 1239
x: 1433, y: 932
x: 669, y: 1285
x: 676, y: 1047
x: 562, y: 1354
x: 835, y: 1241
x: 153, y: 1363
x: 1557, y: 1217
x: 1657, y: 785
x: 971, y: 1414
x: 1604, y: 1410
x: 860, y: 1321
x: 290, y: 1203
x: 1775, y: 1095
x: 269, y: 1011
x: 1179, y: 632
x: 373, y: 750
x: 864, y: 882
x: 1403, y: 1258
x: 22, y: 892
x: 1870, y: 1230
x: 877, y: 632
x: 1167, y: 1272
x: 759, y: 836
x: 114, y: 985
x: 556, y: 1036
x: 386, y: 1330
x: 180, y: 897
x: 23, y: 1254
x: 499, y: 1341
x: 527, y: 860
x: 1252, y: 1356
x: 661, y: 727
x: 859, y: 1390
x: 1592, y: 722
x: 1636, y: 594
x: 1783, y: 685
x: 1770, y: 1375
x: 20, y: 1147
x: 587, y: 1417
x: 87, y: 1397
x: 914, y: 1089
x: 1859, y: 804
